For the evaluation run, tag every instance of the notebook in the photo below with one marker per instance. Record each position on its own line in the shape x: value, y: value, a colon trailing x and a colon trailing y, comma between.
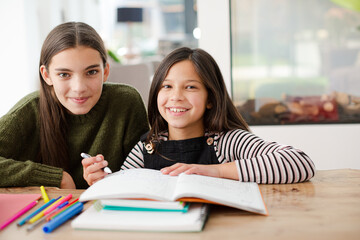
x: 142, y: 205
x: 10, y: 204
x: 150, y: 221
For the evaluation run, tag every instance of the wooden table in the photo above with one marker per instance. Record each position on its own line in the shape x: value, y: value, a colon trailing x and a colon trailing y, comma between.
x: 327, y: 207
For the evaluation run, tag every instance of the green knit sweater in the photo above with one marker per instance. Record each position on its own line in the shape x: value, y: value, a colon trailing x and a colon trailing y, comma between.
x: 111, y: 128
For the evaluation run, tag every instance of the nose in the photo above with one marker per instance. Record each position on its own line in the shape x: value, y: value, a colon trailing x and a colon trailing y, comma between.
x: 177, y: 94
x: 78, y: 84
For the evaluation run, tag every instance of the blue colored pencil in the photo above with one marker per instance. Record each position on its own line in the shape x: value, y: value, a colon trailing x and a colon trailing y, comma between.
x: 63, y: 217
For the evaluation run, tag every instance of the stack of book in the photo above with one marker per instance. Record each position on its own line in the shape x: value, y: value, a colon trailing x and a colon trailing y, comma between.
x: 147, y: 200
x: 156, y: 216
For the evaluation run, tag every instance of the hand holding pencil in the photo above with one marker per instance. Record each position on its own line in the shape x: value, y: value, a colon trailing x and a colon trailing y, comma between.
x: 94, y: 168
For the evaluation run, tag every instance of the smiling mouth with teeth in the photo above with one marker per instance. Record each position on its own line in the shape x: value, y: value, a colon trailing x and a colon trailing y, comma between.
x: 177, y: 110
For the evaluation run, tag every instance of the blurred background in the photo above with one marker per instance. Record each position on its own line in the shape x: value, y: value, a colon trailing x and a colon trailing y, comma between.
x: 145, y: 35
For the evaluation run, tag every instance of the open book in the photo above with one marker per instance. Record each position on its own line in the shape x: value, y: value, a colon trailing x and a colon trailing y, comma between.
x: 152, y: 184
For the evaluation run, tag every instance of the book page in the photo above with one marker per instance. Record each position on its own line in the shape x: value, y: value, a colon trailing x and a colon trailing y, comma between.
x: 132, y: 183
x: 242, y: 195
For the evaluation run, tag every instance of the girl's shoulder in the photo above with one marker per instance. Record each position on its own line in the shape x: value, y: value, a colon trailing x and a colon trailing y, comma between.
x: 229, y: 133
x: 126, y: 96
x: 120, y: 88
x: 24, y: 114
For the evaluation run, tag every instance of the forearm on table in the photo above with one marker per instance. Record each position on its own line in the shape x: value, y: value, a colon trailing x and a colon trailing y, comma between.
x: 18, y: 174
x: 229, y: 170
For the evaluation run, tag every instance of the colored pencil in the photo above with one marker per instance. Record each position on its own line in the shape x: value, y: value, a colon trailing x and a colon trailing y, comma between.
x: 63, y: 217
x: 41, y: 214
x: 61, y: 210
x: 22, y: 222
x: 51, y: 208
x: 44, y: 195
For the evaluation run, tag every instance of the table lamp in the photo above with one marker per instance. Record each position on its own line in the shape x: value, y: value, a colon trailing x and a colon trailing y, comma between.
x: 129, y: 16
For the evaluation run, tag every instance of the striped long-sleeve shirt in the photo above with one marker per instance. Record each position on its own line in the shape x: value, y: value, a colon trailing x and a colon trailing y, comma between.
x: 258, y: 160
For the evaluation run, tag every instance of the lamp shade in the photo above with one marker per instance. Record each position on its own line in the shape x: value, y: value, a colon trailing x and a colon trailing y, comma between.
x: 125, y: 14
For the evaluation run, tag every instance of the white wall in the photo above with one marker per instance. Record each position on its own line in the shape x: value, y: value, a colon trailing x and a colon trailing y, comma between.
x: 17, y: 78
x: 24, y: 25
x: 330, y: 146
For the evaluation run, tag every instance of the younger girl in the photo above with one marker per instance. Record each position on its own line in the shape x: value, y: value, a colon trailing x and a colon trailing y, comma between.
x: 43, y: 135
x: 196, y: 129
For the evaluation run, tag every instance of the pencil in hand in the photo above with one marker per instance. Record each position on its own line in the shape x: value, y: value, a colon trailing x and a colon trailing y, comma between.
x: 106, y: 169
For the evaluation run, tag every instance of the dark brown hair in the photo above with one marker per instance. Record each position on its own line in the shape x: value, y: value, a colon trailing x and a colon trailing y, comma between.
x: 53, y: 126
x: 222, y: 116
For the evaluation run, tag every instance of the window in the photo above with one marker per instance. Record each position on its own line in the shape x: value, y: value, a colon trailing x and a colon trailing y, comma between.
x: 295, y: 61
x: 164, y: 25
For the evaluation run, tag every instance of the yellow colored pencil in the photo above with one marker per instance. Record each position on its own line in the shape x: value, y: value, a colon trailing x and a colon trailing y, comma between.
x: 41, y: 214
x: 44, y: 195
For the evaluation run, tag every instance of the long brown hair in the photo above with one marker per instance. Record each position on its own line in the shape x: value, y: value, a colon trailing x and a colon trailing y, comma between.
x: 222, y: 116
x: 53, y: 125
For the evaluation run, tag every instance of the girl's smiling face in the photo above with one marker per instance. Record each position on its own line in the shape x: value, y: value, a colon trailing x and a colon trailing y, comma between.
x: 77, y: 75
x: 182, y: 101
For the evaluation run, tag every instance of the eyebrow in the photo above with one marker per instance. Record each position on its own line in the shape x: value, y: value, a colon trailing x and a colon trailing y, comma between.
x: 68, y: 70
x: 92, y: 66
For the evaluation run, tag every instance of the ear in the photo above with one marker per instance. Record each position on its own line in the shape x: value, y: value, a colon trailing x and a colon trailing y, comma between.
x: 45, y: 75
x: 106, y: 72
x: 209, y: 105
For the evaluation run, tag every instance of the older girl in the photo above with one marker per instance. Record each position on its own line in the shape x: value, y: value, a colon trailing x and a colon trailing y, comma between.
x: 42, y: 136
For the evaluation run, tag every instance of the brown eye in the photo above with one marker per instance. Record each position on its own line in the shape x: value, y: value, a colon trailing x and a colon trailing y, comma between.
x: 64, y: 75
x: 92, y: 72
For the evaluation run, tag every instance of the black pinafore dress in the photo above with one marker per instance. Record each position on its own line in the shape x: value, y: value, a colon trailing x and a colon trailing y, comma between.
x: 198, y: 150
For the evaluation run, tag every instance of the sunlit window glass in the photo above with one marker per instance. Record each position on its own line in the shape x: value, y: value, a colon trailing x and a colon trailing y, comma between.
x: 296, y: 61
